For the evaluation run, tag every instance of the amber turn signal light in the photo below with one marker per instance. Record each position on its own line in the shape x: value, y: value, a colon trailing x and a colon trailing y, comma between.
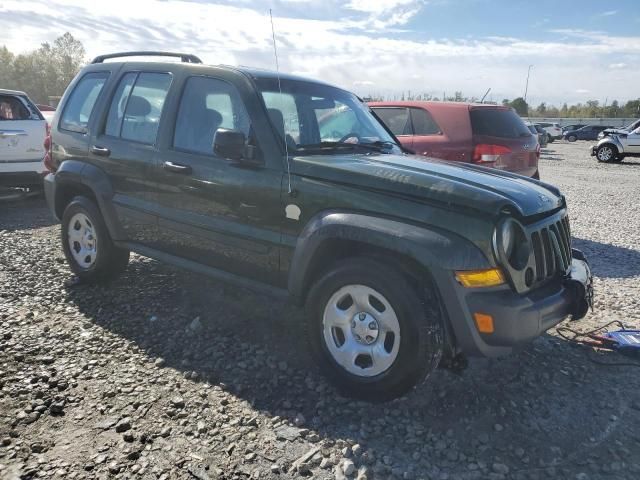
x: 484, y: 322
x: 480, y: 278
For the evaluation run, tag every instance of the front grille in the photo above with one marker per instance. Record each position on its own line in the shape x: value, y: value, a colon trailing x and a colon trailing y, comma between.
x: 552, y: 249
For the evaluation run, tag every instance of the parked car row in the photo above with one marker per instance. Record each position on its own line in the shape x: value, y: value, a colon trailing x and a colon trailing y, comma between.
x: 294, y: 187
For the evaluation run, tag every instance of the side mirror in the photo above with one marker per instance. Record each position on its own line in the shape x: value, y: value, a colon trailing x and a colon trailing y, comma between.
x: 229, y: 143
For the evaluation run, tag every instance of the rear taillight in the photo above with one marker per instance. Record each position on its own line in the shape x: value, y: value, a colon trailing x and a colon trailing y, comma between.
x: 48, y: 158
x: 486, y: 154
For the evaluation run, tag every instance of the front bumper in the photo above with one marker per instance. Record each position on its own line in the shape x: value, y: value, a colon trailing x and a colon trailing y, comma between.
x: 517, y: 319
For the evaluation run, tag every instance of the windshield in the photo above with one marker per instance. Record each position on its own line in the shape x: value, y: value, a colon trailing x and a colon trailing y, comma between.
x: 319, y: 119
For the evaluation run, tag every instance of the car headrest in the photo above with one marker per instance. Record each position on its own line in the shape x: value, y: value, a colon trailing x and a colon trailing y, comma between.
x: 276, y: 117
x: 138, y: 106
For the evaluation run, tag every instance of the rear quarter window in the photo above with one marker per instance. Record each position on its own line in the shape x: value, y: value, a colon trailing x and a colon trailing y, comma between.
x: 494, y: 122
x: 79, y: 107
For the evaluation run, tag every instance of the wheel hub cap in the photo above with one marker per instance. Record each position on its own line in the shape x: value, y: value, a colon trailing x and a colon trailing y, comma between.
x: 361, y: 330
x: 83, y: 243
x: 364, y: 328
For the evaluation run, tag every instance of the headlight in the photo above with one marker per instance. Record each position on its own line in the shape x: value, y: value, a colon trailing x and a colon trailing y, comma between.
x: 512, y: 244
x: 507, y: 237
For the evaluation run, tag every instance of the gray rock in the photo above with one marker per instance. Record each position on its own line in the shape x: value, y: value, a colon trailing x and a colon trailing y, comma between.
x: 123, y: 425
x: 348, y: 467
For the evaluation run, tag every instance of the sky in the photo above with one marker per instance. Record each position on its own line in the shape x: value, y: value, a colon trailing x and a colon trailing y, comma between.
x: 579, y: 49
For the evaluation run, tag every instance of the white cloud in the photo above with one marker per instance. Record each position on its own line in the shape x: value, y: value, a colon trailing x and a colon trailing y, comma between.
x: 385, y: 13
x: 337, y: 50
x: 618, y: 65
x: 609, y: 13
x: 582, y: 90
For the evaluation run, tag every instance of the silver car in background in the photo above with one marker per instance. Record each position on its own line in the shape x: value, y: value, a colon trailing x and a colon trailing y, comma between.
x: 22, y: 133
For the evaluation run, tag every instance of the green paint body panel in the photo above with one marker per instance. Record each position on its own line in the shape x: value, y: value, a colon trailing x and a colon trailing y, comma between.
x: 231, y: 216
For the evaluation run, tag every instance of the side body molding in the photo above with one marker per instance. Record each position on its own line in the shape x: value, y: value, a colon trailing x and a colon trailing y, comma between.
x: 72, y: 174
x: 435, y: 249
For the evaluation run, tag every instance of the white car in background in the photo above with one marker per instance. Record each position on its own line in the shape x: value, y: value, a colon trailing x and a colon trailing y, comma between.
x: 22, y: 133
x: 553, y: 129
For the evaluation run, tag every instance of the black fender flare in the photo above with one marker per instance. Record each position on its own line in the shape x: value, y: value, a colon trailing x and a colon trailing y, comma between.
x: 434, y: 249
x: 74, y: 173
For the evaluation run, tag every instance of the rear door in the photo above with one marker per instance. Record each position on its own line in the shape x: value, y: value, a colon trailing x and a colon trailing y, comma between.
x: 429, y: 139
x: 398, y: 120
x: 22, y: 133
x: 124, y: 145
x: 502, y: 140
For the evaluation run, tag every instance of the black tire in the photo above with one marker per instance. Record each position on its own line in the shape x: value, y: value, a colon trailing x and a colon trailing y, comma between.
x: 607, y: 153
x: 550, y: 139
x: 572, y: 138
x: 420, y: 321
x: 109, y: 260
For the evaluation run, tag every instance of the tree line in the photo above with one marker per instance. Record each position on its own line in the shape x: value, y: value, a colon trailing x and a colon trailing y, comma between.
x: 43, y: 73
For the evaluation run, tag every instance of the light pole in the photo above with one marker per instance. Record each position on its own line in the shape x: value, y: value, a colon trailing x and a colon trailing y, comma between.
x: 526, y: 88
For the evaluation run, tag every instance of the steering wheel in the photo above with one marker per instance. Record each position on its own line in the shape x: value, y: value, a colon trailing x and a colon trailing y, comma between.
x: 350, y: 135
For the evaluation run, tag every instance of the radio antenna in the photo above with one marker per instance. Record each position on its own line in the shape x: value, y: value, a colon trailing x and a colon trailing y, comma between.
x: 284, y: 133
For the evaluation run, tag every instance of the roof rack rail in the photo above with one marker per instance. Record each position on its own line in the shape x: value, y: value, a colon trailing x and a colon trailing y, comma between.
x: 184, y: 57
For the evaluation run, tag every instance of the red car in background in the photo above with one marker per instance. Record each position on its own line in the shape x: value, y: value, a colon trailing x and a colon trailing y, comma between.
x: 490, y: 135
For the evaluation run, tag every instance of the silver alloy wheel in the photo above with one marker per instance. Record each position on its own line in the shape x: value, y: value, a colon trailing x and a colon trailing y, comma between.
x: 83, y: 243
x: 361, y: 330
x: 605, y: 153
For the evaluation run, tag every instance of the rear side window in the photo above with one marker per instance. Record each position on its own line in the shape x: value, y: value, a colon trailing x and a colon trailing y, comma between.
x: 396, y: 119
x: 208, y: 104
x: 12, y: 108
x: 78, y: 109
x: 494, y: 122
x: 423, y: 122
x: 136, y: 107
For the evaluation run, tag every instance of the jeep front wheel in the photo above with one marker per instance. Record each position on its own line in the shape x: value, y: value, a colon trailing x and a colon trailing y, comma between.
x: 90, y: 252
x: 372, y: 331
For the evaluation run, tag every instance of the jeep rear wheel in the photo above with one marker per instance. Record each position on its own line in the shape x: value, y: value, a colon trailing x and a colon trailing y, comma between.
x: 572, y: 138
x: 90, y: 252
x: 606, y: 153
x: 372, y: 332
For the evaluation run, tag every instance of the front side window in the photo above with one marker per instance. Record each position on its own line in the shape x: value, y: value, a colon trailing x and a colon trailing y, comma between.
x: 317, y: 119
x: 397, y: 119
x: 208, y: 104
x: 79, y: 106
x: 137, y: 106
x: 119, y: 103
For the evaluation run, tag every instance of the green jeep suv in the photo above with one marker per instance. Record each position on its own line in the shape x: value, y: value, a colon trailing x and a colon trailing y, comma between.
x: 294, y: 187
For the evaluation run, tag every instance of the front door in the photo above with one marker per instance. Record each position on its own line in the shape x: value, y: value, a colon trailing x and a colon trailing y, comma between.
x: 212, y: 210
x: 633, y: 142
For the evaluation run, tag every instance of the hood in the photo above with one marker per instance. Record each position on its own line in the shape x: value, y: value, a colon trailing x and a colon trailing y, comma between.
x: 435, y: 181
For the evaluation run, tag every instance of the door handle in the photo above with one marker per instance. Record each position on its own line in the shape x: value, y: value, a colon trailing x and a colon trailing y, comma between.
x: 102, y: 151
x: 177, y: 168
x: 12, y: 133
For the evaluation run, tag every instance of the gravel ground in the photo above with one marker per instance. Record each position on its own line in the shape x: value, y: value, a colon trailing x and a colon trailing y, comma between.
x: 165, y: 374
